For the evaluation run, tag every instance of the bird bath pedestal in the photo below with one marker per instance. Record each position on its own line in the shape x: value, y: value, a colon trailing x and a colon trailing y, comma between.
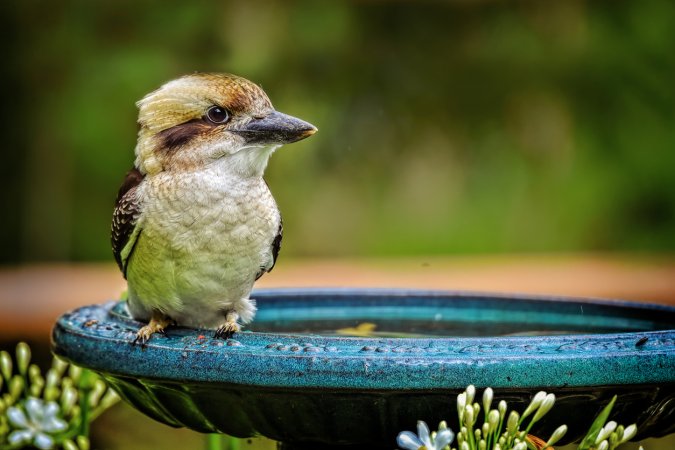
x: 297, y: 376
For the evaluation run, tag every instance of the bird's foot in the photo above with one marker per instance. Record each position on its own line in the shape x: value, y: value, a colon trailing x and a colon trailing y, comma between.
x: 157, y: 324
x: 226, y: 330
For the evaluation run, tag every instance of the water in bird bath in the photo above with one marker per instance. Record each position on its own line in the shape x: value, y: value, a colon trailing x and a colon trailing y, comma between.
x: 414, y: 329
x: 449, y: 316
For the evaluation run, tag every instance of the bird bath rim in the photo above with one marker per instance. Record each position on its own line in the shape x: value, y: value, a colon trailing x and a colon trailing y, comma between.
x: 311, y: 391
x: 317, y: 361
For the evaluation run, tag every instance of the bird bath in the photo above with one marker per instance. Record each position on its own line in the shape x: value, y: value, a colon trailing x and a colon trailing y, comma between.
x: 297, y: 376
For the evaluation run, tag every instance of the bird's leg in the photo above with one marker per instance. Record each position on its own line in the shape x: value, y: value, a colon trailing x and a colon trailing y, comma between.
x: 158, y: 322
x: 226, y: 330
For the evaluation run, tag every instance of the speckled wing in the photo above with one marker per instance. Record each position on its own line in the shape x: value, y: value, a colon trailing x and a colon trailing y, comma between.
x: 125, y: 232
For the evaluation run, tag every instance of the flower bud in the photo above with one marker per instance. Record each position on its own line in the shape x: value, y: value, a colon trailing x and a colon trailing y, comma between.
x: 512, y: 423
x: 66, y: 382
x: 52, y: 378
x: 482, y: 444
x: 485, y: 429
x: 545, y: 407
x: 22, y: 357
x: 605, y: 432
x: 16, y: 385
x: 34, y: 373
x: 487, y: 399
x: 109, y: 399
x: 34, y: 390
x: 629, y: 433
x: 6, y: 365
x: 51, y: 394
x: 69, y: 445
x: 557, y: 435
x: 74, y: 373
x: 97, y: 392
x: 36, y: 381
x: 604, y: 445
x: 68, y: 399
x: 520, y: 446
x: 59, y: 366
x: 468, y: 416
x: 534, y: 404
x: 442, y: 425
x: 464, y: 446
x: 493, y: 420
x: 461, y: 404
x: 502, y: 408
x: 83, y: 442
x: 470, y: 393
x: 477, y: 434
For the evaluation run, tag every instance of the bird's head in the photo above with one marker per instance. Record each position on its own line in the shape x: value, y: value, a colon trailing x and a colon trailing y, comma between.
x: 200, y: 119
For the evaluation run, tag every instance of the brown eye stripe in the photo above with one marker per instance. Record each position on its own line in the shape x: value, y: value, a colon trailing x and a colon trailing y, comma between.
x: 179, y: 135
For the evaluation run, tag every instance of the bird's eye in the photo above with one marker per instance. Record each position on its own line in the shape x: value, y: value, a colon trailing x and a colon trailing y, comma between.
x: 216, y: 114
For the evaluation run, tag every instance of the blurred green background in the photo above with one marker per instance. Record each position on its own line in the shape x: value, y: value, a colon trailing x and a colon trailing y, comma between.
x: 445, y: 127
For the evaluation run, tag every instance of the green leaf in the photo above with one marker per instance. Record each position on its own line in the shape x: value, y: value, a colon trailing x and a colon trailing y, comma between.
x: 597, y: 425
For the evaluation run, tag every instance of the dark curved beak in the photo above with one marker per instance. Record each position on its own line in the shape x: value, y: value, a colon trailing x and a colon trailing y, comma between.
x: 275, y: 128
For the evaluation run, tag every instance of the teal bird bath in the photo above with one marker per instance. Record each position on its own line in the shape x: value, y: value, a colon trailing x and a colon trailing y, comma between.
x: 297, y: 376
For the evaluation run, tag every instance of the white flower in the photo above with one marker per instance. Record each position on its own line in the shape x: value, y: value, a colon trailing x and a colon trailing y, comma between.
x: 35, y: 429
x: 410, y: 441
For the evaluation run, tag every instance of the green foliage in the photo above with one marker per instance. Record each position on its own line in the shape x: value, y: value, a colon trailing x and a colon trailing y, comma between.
x: 444, y: 126
x: 589, y: 440
x: 51, y: 411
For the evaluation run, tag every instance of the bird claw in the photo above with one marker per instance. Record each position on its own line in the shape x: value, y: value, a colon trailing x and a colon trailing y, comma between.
x: 226, y: 330
x: 155, y: 326
x: 144, y: 335
x: 140, y: 339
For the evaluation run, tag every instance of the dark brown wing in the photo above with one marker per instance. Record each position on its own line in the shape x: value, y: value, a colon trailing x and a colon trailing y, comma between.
x: 276, y: 246
x: 124, y: 232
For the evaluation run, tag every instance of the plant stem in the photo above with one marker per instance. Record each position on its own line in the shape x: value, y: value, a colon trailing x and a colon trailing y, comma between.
x: 233, y: 444
x: 214, y: 441
x: 85, y: 390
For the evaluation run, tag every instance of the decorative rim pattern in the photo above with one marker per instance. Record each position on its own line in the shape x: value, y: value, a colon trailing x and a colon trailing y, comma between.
x: 99, y: 337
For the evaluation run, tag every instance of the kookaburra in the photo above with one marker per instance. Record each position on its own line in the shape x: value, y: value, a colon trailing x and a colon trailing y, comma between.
x: 195, y: 224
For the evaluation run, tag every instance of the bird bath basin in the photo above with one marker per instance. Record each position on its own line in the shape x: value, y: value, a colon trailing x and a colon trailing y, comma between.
x: 322, y: 368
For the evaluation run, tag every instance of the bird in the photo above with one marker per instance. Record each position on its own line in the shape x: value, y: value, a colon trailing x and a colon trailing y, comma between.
x: 194, y: 223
